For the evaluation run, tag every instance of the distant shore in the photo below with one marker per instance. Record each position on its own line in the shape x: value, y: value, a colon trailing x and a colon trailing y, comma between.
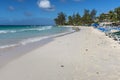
x: 86, y: 54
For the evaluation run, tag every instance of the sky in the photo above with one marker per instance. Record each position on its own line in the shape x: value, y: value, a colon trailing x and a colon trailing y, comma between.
x: 43, y: 12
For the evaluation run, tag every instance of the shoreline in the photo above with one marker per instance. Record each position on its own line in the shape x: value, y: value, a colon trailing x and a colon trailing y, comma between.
x: 11, y: 53
x: 34, y: 39
x: 87, y: 54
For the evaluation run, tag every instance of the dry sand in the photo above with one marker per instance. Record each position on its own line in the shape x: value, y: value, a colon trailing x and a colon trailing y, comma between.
x: 84, y: 55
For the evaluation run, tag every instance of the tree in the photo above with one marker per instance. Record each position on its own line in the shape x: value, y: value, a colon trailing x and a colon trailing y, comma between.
x: 61, y: 19
x: 117, y: 12
x: 103, y: 17
x: 93, y: 14
x: 112, y: 16
x: 77, y: 19
x: 70, y: 20
x: 86, y: 19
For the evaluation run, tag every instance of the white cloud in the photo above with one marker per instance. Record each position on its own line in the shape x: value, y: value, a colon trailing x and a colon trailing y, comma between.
x: 45, y: 4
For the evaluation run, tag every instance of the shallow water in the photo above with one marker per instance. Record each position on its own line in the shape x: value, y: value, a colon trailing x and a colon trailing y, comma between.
x: 16, y: 35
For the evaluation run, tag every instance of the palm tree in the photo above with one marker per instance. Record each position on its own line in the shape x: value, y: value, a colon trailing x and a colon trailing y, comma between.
x: 117, y: 12
x: 93, y: 14
x: 70, y: 20
x: 112, y: 16
x: 61, y: 19
x: 86, y: 19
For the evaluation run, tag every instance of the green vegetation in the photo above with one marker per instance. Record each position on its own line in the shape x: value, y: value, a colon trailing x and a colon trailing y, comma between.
x: 111, y: 16
x: 88, y: 17
x: 61, y: 19
x: 76, y: 19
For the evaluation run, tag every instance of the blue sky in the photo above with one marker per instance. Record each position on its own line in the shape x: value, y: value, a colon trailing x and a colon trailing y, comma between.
x: 21, y: 12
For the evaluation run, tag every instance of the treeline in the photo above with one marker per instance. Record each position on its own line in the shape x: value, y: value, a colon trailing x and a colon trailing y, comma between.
x: 88, y: 17
x: 111, y: 16
x: 76, y: 19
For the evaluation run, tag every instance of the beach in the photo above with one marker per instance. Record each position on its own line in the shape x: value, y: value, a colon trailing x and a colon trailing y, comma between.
x: 84, y: 55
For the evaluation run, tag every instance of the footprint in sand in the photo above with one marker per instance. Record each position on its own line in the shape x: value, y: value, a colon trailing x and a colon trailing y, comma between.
x: 86, y: 49
x: 62, y: 66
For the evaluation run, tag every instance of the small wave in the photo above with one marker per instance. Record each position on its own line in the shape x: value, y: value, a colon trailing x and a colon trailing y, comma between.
x: 31, y: 40
x: 24, y: 42
x: 35, y: 39
x: 22, y: 30
x: 7, y: 31
x: 8, y: 46
x: 37, y: 29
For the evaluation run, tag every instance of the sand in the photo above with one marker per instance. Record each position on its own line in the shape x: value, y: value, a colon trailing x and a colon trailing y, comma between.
x: 84, y: 55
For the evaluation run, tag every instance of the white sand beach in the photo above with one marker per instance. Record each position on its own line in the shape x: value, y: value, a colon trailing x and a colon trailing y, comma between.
x: 84, y: 55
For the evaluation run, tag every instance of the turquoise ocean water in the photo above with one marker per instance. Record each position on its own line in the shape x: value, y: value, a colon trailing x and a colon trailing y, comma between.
x: 21, y: 35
